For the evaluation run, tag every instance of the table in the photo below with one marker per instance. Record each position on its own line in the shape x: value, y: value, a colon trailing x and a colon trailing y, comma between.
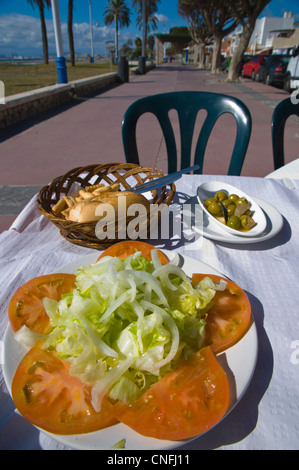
x: 267, y: 417
x: 289, y: 171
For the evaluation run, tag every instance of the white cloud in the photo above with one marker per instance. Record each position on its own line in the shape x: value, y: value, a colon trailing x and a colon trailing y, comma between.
x: 162, y: 18
x: 21, y: 35
x: 82, y: 37
x: 18, y: 32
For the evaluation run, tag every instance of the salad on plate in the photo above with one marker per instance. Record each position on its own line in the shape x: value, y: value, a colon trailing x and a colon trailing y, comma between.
x: 131, y: 339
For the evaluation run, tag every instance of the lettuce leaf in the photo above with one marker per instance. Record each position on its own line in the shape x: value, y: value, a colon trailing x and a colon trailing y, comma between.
x: 127, y: 323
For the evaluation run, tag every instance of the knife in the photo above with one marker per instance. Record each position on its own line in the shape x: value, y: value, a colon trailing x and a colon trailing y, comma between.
x: 157, y: 183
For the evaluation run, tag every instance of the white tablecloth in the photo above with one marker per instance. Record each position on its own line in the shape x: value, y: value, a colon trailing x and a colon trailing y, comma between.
x: 289, y: 171
x: 267, y: 417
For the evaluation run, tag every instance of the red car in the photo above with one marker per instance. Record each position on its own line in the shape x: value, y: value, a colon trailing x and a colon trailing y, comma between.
x: 250, y: 68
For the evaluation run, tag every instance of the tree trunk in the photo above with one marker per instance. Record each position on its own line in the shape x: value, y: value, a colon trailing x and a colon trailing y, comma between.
x: 116, y: 38
x: 234, y: 69
x: 70, y: 31
x: 216, y: 54
x: 44, y: 33
x: 201, y: 50
x: 144, y: 26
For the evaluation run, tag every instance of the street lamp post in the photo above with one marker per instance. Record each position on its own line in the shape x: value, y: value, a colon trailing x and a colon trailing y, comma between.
x: 60, y: 59
x: 142, y: 59
x: 91, y: 33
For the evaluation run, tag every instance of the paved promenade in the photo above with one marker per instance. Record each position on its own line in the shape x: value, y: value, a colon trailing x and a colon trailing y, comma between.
x: 88, y: 131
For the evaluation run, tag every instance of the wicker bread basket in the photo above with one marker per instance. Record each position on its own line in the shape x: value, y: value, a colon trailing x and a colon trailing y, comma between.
x: 126, y: 174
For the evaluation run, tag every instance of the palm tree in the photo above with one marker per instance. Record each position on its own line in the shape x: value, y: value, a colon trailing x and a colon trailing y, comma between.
x: 41, y: 5
x: 151, y: 20
x: 151, y: 44
x: 117, y: 12
x: 70, y: 31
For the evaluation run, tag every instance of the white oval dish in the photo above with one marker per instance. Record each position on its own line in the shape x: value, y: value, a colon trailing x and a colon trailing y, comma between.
x: 208, y: 190
x: 238, y: 361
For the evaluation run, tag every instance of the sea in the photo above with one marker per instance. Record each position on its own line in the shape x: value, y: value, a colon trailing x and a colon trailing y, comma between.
x: 24, y: 60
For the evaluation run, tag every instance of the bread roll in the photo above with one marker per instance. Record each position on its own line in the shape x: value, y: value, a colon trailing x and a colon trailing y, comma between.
x: 85, y: 211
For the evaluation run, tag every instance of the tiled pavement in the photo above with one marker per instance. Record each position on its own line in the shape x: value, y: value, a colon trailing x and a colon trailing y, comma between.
x: 14, y: 198
x: 88, y: 131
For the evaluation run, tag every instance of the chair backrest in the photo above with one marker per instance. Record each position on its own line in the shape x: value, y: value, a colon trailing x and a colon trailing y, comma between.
x: 188, y: 104
x: 281, y: 113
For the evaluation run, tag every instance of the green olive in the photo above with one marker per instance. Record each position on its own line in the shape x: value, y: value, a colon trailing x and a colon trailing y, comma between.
x: 233, y: 197
x: 234, y: 222
x: 208, y: 201
x: 241, y: 200
x: 214, y: 208
x: 220, y: 196
x: 247, y: 222
x: 226, y: 202
x: 231, y: 210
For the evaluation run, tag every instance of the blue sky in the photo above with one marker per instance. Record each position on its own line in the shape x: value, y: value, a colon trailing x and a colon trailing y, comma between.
x: 20, y: 24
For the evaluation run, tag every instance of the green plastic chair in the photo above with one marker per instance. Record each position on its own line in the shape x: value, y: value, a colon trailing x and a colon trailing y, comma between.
x: 281, y: 113
x: 188, y: 104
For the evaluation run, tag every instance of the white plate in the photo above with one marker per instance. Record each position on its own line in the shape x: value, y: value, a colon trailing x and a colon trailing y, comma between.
x: 238, y: 361
x: 209, y: 189
x: 209, y: 229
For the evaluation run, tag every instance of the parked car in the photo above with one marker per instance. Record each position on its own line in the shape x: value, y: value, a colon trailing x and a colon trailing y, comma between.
x: 274, y: 70
x: 227, y: 61
x: 291, y: 81
x: 246, y: 58
x: 250, y: 68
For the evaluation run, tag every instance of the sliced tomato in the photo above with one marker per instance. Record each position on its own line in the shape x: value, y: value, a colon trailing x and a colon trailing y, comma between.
x: 128, y: 247
x: 26, y: 305
x: 185, y: 403
x: 51, y: 399
x: 229, y: 316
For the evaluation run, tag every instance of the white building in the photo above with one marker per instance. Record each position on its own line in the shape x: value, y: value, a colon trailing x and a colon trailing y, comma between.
x: 266, y: 29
